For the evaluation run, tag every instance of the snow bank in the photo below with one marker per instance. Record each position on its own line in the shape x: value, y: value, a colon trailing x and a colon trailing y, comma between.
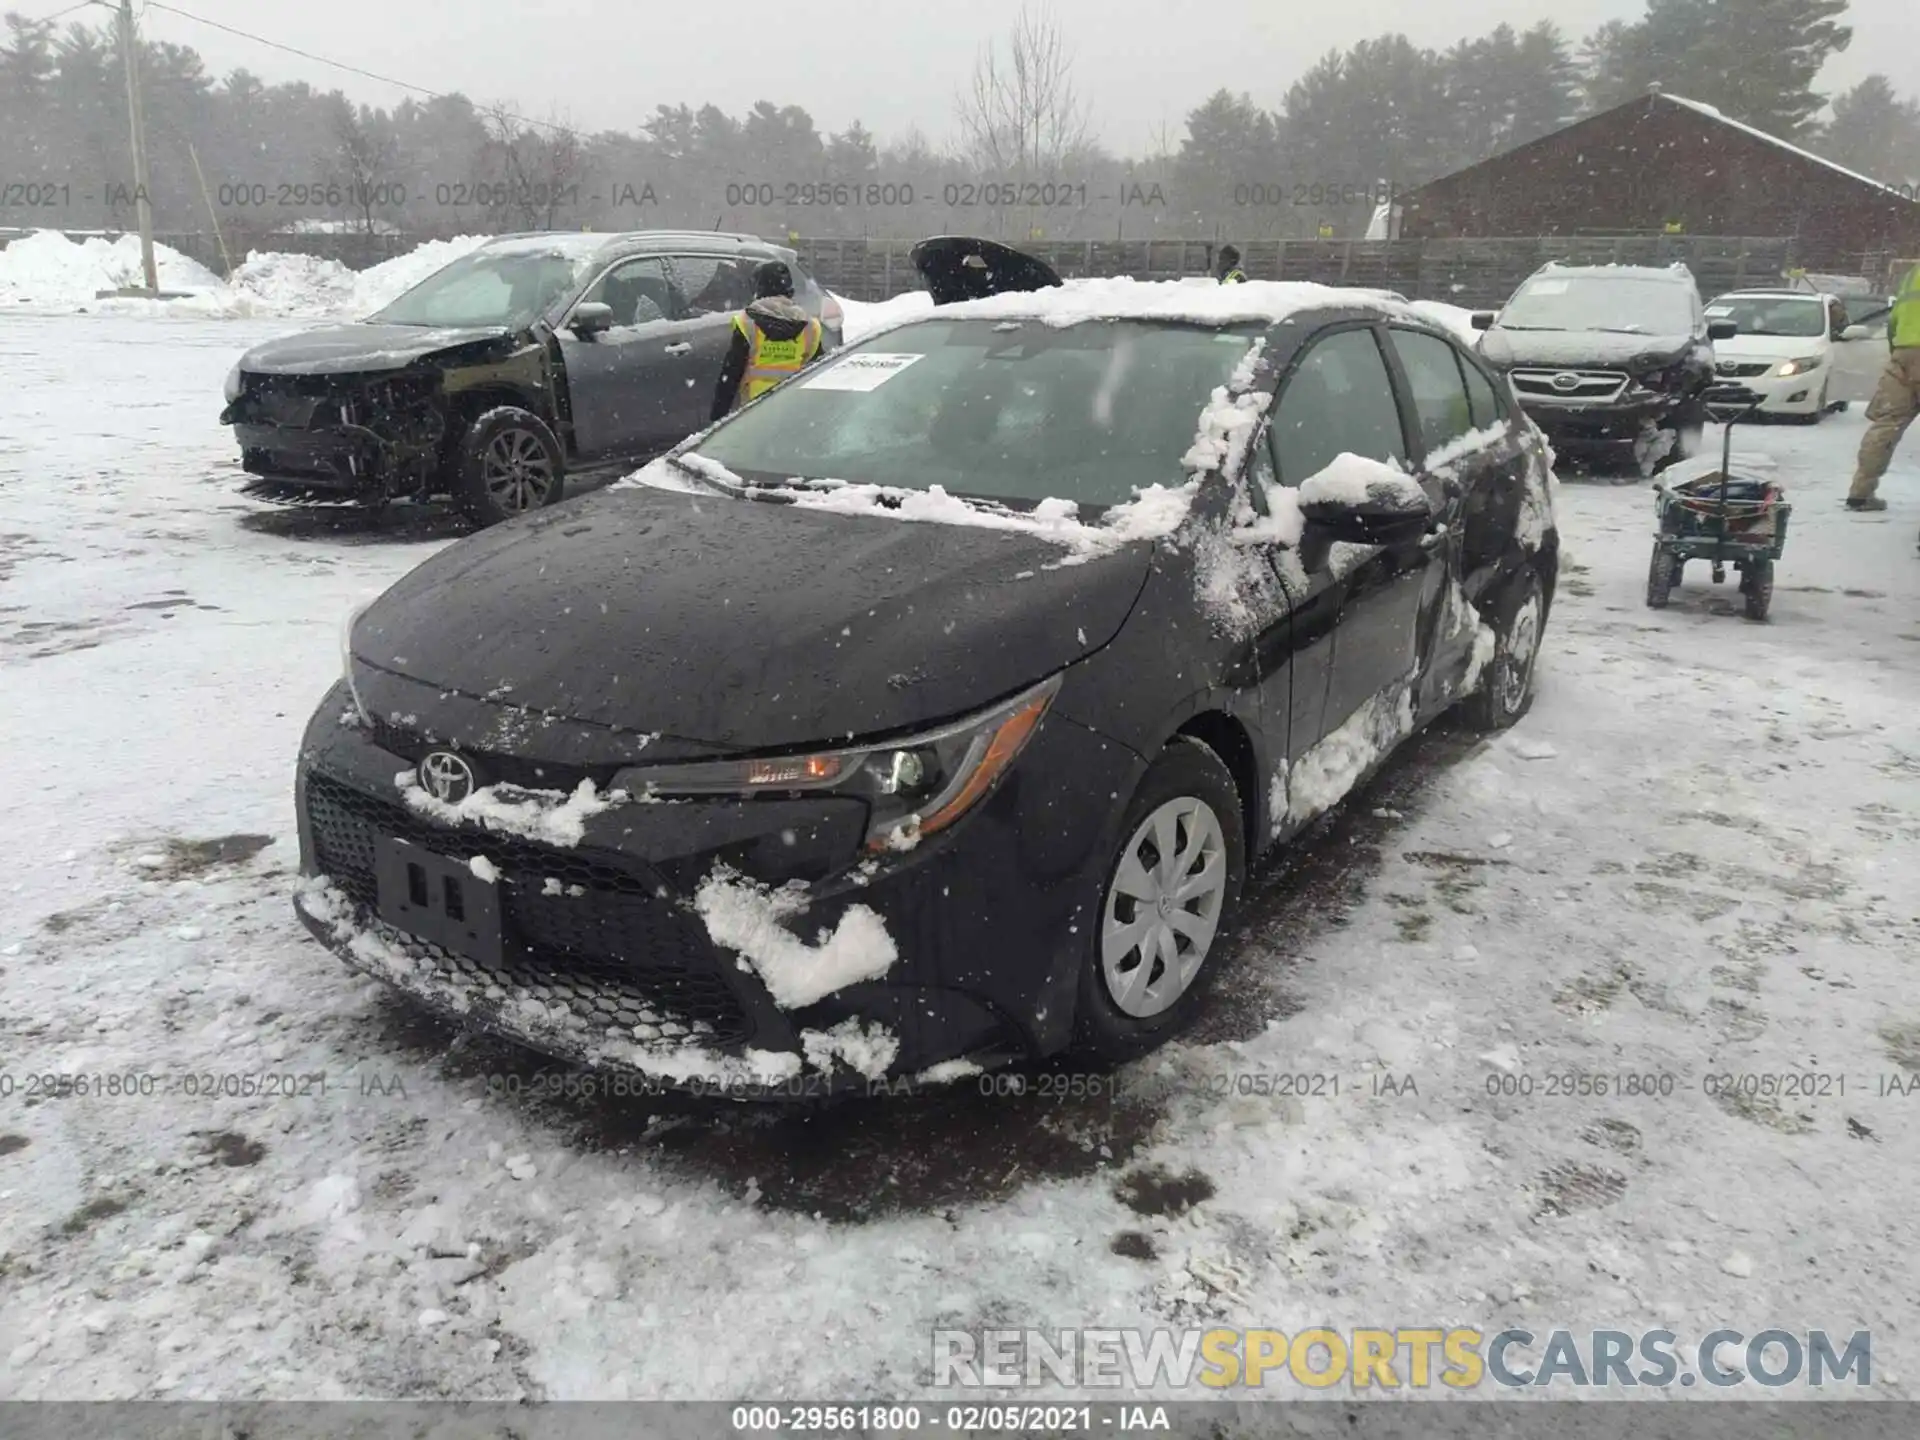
x: 750, y: 919
x: 47, y: 269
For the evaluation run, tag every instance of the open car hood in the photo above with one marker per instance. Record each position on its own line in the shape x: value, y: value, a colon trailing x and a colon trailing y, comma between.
x: 958, y: 267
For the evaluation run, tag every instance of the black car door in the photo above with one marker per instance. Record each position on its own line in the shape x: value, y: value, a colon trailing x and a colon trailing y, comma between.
x: 1361, y: 601
x: 1474, y: 467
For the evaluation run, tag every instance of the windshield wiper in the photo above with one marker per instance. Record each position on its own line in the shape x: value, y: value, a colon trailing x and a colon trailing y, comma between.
x: 705, y: 479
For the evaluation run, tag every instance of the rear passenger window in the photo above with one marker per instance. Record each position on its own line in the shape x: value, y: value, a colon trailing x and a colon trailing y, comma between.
x: 1484, y: 399
x: 712, y: 284
x: 1439, y: 393
x: 1338, y: 399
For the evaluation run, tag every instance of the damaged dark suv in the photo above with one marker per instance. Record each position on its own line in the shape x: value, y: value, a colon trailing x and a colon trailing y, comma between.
x: 1611, y: 361
x: 530, y: 357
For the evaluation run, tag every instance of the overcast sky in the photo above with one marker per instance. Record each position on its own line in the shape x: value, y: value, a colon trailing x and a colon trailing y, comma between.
x: 605, y: 64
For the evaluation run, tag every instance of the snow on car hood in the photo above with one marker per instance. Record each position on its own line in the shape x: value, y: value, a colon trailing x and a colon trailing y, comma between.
x: 353, y: 349
x: 744, y: 624
x: 1507, y: 348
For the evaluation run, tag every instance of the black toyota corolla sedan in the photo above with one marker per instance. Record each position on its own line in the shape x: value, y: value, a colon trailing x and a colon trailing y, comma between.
x: 925, y: 715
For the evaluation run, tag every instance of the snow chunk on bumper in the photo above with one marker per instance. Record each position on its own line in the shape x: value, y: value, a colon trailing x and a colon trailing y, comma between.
x: 550, y: 817
x: 750, y: 919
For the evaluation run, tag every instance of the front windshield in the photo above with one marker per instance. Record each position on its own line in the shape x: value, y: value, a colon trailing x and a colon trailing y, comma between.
x: 1772, y: 314
x: 508, y: 286
x: 1626, y: 304
x: 1017, y: 412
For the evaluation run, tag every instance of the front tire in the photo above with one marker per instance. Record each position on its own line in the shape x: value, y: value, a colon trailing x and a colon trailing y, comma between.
x: 1506, y: 689
x: 1170, y: 889
x: 508, y: 463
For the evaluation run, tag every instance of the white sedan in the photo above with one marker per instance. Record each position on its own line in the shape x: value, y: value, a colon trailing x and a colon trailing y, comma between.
x: 1784, y: 349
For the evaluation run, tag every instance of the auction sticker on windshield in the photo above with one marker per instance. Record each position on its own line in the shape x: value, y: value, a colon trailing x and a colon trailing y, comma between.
x: 861, y: 372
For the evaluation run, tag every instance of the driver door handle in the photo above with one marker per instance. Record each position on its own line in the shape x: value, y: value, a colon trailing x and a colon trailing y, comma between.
x: 681, y: 349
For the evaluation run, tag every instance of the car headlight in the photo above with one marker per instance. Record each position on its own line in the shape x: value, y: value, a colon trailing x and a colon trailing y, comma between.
x: 233, y: 385
x: 913, y: 786
x: 1797, y: 367
x: 346, y: 658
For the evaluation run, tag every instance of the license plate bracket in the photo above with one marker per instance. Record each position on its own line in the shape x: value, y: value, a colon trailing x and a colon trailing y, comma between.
x: 439, y: 900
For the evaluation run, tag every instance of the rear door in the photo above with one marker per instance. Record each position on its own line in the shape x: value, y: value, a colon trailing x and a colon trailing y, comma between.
x: 1473, y: 466
x: 624, y: 383
x: 714, y: 287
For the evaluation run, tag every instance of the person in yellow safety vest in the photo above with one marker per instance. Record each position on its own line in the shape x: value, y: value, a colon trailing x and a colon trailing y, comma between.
x: 1896, y: 401
x: 772, y: 339
x: 1228, y: 271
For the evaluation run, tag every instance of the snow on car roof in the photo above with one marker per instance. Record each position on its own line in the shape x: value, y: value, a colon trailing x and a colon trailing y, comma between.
x: 1712, y: 112
x: 1201, y: 302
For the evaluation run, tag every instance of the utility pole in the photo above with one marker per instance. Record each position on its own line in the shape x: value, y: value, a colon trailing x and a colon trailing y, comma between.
x: 130, y: 49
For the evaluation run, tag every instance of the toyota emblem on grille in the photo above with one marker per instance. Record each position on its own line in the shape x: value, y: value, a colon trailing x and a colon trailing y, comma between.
x: 1725, y: 367
x: 446, y: 777
x: 1566, y: 381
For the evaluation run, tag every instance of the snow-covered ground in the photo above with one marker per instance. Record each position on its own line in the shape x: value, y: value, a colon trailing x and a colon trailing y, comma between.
x: 1695, y: 857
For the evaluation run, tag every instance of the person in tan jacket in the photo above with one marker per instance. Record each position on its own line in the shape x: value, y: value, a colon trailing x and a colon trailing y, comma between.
x: 1896, y: 400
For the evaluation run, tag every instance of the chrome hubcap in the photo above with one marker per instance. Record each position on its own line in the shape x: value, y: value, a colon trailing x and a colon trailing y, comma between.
x: 517, y: 471
x: 1163, y: 907
x: 1516, y: 664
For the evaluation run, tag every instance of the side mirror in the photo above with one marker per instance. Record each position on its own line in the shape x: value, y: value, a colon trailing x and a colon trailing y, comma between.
x: 591, y: 317
x: 1722, y: 329
x: 1482, y: 319
x: 1368, y: 523
x: 1854, y: 332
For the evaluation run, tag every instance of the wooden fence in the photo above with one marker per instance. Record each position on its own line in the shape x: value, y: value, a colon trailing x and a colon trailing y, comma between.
x: 1473, y: 273
x: 1476, y: 273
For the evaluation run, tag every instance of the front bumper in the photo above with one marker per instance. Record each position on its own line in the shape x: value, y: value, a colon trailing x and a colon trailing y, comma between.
x: 1622, y: 422
x: 324, y: 459
x: 607, y: 961
x: 380, y: 435
x: 1780, y: 395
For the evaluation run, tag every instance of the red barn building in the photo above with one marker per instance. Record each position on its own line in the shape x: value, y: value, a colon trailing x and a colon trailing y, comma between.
x: 1665, y: 164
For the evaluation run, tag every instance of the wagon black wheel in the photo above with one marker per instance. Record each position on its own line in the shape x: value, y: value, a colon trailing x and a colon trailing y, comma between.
x: 1661, y: 574
x: 1759, y: 588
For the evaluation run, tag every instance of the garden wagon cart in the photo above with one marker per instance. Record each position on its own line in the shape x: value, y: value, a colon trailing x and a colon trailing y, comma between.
x: 1721, y: 517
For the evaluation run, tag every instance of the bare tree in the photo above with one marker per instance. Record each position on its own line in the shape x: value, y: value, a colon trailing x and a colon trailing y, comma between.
x: 1021, y: 120
x: 530, y: 174
x: 369, y: 156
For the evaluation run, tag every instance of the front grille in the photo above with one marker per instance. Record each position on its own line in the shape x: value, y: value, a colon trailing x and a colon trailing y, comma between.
x: 412, y: 745
x: 1585, y: 387
x: 1743, y: 369
x: 575, y: 918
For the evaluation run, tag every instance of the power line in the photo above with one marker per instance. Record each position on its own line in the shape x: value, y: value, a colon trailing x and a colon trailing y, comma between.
x: 341, y: 65
x: 62, y: 14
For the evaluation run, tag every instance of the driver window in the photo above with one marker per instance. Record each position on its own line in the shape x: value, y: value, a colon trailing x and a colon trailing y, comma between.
x: 638, y: 291
x: 1338, y: 399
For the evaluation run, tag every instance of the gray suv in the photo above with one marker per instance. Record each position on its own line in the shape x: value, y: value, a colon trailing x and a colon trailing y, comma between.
x: 530, y: 358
